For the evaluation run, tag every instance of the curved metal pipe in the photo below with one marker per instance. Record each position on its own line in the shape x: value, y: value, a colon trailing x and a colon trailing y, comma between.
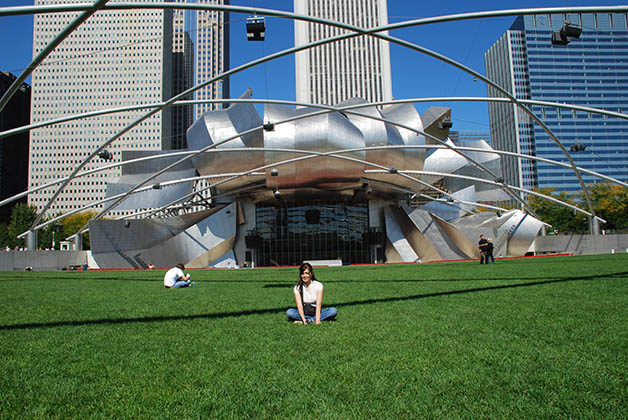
x: 108, y: 111
x: 89, y: 11
x: 346, y: 109
x: 358, y: 31
x: 185, y: 153
x: 538, y: 194
x: 308, y: 155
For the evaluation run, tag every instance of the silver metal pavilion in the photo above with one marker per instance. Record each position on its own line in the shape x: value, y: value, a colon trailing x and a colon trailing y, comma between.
x: 354, y: 182
x: 336, y: 187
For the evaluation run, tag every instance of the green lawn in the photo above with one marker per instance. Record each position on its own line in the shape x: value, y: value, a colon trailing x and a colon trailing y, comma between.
x: 521, y: 339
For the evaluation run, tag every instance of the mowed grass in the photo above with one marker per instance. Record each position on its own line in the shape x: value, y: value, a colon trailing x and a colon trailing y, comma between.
x: 521, y: 339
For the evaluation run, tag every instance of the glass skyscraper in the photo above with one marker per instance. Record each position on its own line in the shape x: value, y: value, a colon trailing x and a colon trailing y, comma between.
x: 591, y: 71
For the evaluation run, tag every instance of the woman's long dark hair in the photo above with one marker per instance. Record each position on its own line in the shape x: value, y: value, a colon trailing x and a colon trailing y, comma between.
x: 305, y: 265
x: 302, y: 268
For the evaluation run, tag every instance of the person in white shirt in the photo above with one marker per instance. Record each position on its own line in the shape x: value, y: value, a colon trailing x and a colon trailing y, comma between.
x: 175, y: 278
x: 308, y: 296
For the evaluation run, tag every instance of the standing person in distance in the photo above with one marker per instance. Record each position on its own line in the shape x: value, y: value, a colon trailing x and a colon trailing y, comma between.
x: 308, y: 296
x: 483, y: 245
x: 489, y: 252
x: 175, y: 278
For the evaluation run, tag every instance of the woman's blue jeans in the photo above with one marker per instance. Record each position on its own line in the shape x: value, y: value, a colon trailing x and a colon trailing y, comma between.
x: 326, y: 315
x: 182, y: 283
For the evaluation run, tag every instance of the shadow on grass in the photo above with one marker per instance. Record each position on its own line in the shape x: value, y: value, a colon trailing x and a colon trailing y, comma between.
x: 278, y: 310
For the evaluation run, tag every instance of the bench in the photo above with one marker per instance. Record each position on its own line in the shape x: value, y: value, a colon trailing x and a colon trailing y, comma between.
x: 325, y: 263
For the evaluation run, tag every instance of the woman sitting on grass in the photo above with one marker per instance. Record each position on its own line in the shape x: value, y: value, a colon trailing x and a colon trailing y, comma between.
x: 175, y: 279
x: 308, y: 295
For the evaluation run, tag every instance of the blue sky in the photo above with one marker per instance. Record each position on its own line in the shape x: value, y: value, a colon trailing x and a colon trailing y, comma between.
x: 414, y: 75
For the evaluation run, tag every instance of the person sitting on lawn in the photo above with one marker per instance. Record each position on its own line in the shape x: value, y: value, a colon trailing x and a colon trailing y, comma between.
x: 308, y: 296
x: 175, y: 279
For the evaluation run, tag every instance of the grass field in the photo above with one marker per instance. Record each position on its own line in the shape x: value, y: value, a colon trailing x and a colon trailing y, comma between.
x: 521, y: 339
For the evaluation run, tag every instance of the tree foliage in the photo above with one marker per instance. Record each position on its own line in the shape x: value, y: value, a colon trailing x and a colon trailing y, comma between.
x: 49, y: 234
x: 563, y: 219
x: 610, y: 202
x: 75, y: 222
x: 22, y: 218
x: 4, y: 235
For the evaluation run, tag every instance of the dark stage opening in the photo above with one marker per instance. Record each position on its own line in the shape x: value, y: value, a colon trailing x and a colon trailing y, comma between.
x: 291, y: 233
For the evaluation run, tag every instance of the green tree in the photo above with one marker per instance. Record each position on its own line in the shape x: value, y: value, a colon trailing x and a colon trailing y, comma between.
x: 75, y: 222
x: 22, y: 218
x: 44, y: 238
x: 4, y: 235
x: 610, y: 202
x: 563, y: 219
x: 46, y: 235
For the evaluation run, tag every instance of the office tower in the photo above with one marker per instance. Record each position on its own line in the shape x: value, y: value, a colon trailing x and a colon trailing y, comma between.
x: 200, y: 41
x: 13, y: 149
x: 200, y: 53
x: 589, y: 71
x: 356, y: 67
x: 211, y: 54
x: 114, y: 59
x: 182, y: 78
x: 469, y: 135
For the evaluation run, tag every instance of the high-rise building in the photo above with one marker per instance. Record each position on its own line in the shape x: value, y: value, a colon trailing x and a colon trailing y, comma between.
x: 200, y: 53
x: 114, y: 59
x: 13, y: 149
x: 590, y: 71
x: 470, y: 135
x: 355, y: 67
x: 200, y: 42
x: 211, y: 54
x: 182, y: 78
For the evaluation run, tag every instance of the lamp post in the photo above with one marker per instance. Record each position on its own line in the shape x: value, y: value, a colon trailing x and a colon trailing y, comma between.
x: 56, y: 228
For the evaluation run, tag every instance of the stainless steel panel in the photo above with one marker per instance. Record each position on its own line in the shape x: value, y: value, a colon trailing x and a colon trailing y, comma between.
x: 207, y: 237
x: 152, y: 198
x: 319, y: 133
x: 398, y: 239
x: 216, y: 126
x: 377, y: 133
x: 522, y: 229
x: 407, y: 114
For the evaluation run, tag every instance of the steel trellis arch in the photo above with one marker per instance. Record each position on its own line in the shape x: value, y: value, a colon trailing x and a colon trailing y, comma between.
x: 310, y: 155
x: 326, y: 109
x: 357, y: 31
x: 183, y: 153
x: 372, y: 32
x: 107, y: 111
x: 346, y: 109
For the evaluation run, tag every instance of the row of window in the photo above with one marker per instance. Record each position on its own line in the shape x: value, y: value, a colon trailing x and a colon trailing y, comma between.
x: 550, y: 91
x: 598, y: 20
